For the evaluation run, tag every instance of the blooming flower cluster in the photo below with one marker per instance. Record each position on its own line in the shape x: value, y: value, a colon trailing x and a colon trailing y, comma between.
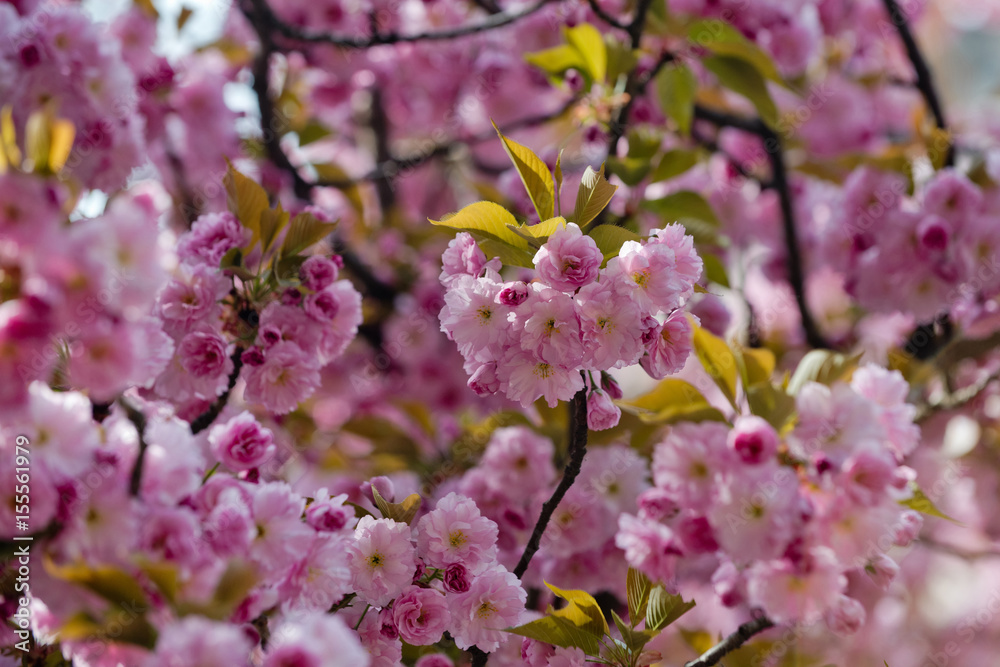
x: 784, y: 519
x: 299, y: 556
x: 298, y: 331
x: 532, y: 340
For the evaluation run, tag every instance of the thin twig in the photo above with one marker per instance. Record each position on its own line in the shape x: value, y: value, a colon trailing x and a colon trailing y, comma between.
x: 925, y: 82
x: 604, y: 16
x: 779, y: 181
x: 138, y: 420
x: 956, y: 399
x: 577, y: 449
x: 359, y: 42
x: 205, y: 419
x: 959, y: 552
x: 713, y: 655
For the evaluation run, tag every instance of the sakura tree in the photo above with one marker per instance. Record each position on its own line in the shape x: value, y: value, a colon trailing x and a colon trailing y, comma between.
x: 467, y: 332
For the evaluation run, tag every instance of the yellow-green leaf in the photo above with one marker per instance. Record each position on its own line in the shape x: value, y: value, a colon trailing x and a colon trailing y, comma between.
x: 637, y: 587
x: 332, y: 173
x: 676, y: 86
x: 402, y: 512
x: 508, y: 255
x: 743, y: 78
x: 534, y: 174
x: 699, y: 640
x: 594, y: 194
x: 919, y: 502
x: 683, y: 204
x: 534, y: 234
x: 587, y: 40
x: 558, y: 59
x: 558, y: 173
x: 107, y: 581
x: 715, y: 271
x: 609, y: 239
x: 822, y: 366
x: 559, y: 632
x: 672, y: 400
x: 758, y: 363
x: 8, y: 137
x: 236, y: 581
x: 664, y: 608
x: 674, y: 163
x: 246, y: 200
x: 304, y: 231
x: 723, y: 39
x: 635, y: 640
x: 582, y: 610
x: 272, y: 221
x: 48, y: 140
x: 631, y: 170
x: 717, y: 359
x: 773, y: 404
x: 487, y: 220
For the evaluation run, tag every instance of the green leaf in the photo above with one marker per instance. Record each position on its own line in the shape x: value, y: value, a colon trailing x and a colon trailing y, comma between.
x: 683, y: 204
x: 234, y: 584
x: 921, y: 503
x: 304, y: 231
x: 621, y: 58
x: 637, y: 587
x: 117, y: 624
x: 109, y: 582
x: 674, y: 163
x: 634, y: 639
x: 246, y: 200
x: 559, y: 182
x: 664, y: 608
x: 723, y: 39
x: 402, y: 512
x: 717, y: 359
x: 772, y: 404
x: 644, y: 143
x: 594, y: 194
x: 822, y: 366
x: 491, y: 222
x: 715, y: 271
x: 559, y: 632
x: 534, y: 174
x: 609, y: 239
x: 672, y: 400
x: 699, y: 640
x: 676, y: 86
x: 758, y: 364
x: 582, y: 610
x: 272, y: 221
x: 631, y: 170
x: 558, y: 59
x: 312, y: 131
x: 587, y: 40
x: 743, y: 78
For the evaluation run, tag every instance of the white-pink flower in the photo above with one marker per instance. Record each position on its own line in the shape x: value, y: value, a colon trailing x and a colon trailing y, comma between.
x: 796, y: 592
x: 287, y: 377
x: 568, y: 260
x: 381, y: 559
x: 241, y: 443
x: 421, y: 616
x: 495, y: 601
x: 455, y: 532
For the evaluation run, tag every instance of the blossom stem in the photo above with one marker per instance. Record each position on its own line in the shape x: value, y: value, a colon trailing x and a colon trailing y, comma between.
x: 205, y: 419
x: 577, y: 450
x: 363, y: 614
x: 138, y: 419
x: 713, y: 655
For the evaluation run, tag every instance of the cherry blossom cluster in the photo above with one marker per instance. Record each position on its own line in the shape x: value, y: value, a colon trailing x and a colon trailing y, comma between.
x: 539, y: 339
x: 78, y: 296
x: 297, y: 332
x: 56, y: 55
x: 389, y: 581
x: 783, y: 519
x: 517, y: 473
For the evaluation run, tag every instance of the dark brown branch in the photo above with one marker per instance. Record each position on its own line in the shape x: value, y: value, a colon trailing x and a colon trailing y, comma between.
x: 205, y: 419
x: 576, y: 451
x: 138, y: 420
x: 363, y: 42
x: 713, y: 655
x: 925, y: 82
x: 604, y: 16
x: 619, y: 121
x: 779, y: 181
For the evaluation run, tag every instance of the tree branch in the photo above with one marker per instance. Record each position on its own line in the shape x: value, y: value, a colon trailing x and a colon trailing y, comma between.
x: 713, y: 655
x: 138, y: 420
x: 205, y: 419
x: 956, y: 399
x: 924, y: 83
x: 577, y: 450
x: 604, y: 16
x: 351, y: 42
x: 779, y: 181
